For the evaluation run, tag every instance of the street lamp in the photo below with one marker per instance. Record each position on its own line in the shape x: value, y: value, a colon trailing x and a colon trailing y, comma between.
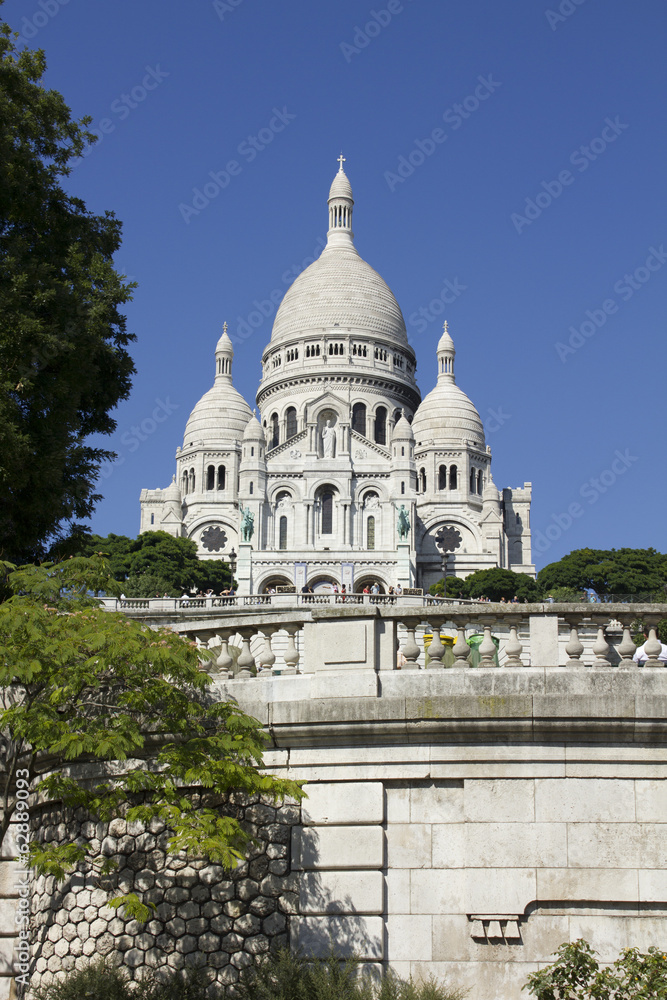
x: 448, y: 539
x: 232, y: 564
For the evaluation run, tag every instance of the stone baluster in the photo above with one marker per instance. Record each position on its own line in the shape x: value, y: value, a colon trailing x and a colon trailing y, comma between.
x: 601, y: 650
x: 410, y: 649
x: 653, y: 646
x: 627, y: 648
x: 461, y: 647
x: 246, y: 661
x: 487, y: 649
x: 267, y: 657
x: 291, y: 653
x: 436, y: 650
x: 223, y: 661
x: 514, y: 648
x: 574, y: 647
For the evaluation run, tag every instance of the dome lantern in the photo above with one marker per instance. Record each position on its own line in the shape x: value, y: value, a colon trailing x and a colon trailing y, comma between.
x: 340, y: 209
x: 224, y: 353
x: 446, y: 354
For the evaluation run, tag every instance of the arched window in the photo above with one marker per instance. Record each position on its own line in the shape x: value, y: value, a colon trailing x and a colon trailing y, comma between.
x: 275, y: 433
x: 480, y: 482
x: 381, y: 425
x: 453, y: 478
x: 370, y: 533
x: 192, y: 480
x: 442, y: 477
x: 422, y: 480
x: 221, y: 477
x: 359, y: 418
x: 282, y: 533
x: 473, y: 481
x: 290, y: 421
x: 210, y: 477
x: 252, y: 488
x: 327, y: 512
x: 185, y: 483
x: 402, y: 488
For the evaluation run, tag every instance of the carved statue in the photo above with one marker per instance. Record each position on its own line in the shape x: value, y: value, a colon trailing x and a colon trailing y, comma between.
x: 328, y: 440
x: 247, y: 523
x: 403, y: 523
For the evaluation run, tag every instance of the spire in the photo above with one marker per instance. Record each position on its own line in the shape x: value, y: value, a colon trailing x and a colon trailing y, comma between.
x: 446, y: 354
x: 224, y: 352
x: 340, y: 209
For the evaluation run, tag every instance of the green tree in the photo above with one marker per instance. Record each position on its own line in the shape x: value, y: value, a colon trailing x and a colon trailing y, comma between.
x: 80, y: 684
x: 608, y: 571
x: 455, y: 587
x: 156, y: 563
x: 63, y: 359
x: 577, y: 975
x: 496, y: 583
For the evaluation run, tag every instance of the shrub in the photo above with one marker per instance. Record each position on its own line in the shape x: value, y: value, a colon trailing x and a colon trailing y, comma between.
x: 100, y: 981
x: 577, y: 975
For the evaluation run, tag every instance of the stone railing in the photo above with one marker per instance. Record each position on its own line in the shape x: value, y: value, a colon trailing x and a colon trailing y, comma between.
x: 314, y: 633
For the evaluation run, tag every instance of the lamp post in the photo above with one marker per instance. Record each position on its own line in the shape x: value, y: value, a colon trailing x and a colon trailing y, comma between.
x: 448, y: 539
x: 232, y: 565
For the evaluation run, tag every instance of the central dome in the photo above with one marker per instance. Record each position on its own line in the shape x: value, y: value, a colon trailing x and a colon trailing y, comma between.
x: 339, y: 288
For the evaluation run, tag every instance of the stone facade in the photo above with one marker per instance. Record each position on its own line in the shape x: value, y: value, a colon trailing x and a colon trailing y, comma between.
x: 343, y: 440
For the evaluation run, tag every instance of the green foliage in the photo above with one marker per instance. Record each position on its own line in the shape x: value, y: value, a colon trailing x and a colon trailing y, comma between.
x: 157, y: 563
x: 283, y: 976
x: 80, y: 683
x: 576, y: 975
x: 565, y: 595
x: 609, y: 571
x: 101, y: 981
x: 492, y: 583
x: 63, y: 359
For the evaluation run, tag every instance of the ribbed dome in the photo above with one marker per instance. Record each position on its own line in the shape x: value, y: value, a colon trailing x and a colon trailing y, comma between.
x: 447, y: 416
x: 340, y: 288
x: 403, y: 429
x: 172, y: 491
x: 219, y: 417
x: 340, y: 186
x: 253, y: 430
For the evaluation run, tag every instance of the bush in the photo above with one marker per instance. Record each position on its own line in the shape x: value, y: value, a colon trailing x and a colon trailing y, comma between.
x: 577, y: 975
x: 100, y: 981
x: 283, y: 976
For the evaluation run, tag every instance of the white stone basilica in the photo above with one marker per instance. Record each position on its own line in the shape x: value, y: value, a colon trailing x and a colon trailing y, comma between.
x: 311, y: 492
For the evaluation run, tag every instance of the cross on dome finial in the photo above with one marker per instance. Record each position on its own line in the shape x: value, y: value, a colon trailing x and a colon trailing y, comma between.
x: 445, y: 327
x: 341, y: 161
x: 224, y: 327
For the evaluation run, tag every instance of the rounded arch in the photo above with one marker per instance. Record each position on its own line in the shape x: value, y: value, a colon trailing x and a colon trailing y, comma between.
x: 284, y: 486
x: 291, y: 422
x: 323, y: 583
x: 367, y: 580
x: 273, y: 580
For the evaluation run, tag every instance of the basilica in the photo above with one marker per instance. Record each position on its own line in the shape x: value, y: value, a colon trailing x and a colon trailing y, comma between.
x: 343, y: 474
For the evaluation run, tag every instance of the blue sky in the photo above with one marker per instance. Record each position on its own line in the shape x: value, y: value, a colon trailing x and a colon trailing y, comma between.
x: 539, y: 198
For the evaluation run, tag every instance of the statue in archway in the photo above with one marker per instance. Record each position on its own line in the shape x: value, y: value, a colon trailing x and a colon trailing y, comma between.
x: 403, y: 523
x: 328, y: 440
x: 247, y: 523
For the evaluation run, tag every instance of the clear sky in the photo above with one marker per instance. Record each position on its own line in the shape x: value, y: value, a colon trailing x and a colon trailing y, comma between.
x: 535, y: 210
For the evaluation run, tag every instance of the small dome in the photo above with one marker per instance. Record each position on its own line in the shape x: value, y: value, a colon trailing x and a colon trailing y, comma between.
x: 491, y: 492
x: 446, y: 343
x: 447, y: 416
x: 253, y: 430
x: 172, y: 491
x: 403, y: 429
x: 224, y: 345
x: 340, y: 186
x: 219, y: 417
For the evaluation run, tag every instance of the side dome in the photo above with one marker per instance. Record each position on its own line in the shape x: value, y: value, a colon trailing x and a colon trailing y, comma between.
x: 221, y: 415
x: 446, y: 416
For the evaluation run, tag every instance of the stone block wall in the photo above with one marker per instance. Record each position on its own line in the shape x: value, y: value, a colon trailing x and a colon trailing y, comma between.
x: 204, y: 915
x: 478, y: 880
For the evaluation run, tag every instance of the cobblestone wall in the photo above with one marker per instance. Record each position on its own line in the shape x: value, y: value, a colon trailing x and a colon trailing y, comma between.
x: 204, y: 915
